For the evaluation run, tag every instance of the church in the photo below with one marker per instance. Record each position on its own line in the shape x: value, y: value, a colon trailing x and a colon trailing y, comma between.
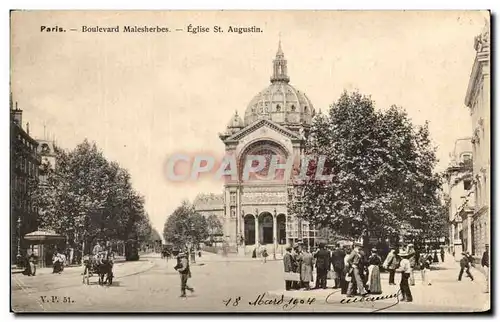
x: 254, y: 212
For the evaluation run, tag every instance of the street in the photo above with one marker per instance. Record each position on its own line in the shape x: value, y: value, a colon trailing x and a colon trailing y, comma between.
x: 227, y: 285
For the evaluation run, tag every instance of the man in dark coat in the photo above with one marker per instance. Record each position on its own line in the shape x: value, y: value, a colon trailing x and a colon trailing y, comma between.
x: 338, y: 256
x: 322, y: 266
x: 297, y: 263
x: 465, y: 265
x: 185, y: 272
x: 288, y: 266
x: 355, y: 263
x: 485, y: 262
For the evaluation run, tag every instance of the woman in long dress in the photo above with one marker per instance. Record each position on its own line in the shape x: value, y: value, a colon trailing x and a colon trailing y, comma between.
x: 374, y: 262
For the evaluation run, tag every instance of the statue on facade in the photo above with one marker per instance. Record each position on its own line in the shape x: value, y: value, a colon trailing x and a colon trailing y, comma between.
x: 483, y: 40
x: 302, y: 133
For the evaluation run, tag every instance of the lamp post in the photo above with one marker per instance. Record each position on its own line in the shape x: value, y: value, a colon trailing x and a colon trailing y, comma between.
x: 18, y: 255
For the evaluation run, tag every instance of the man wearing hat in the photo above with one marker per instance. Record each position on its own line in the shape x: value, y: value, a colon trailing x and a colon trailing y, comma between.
x: 405, y: 269
x: 183, y: 268
x: 465, y: 265
x: 337, y: 259
x: 354, y: 263
x: 297, y: 263
x: 322, y: 266
x: 288, y: 266
x: 391, y: 263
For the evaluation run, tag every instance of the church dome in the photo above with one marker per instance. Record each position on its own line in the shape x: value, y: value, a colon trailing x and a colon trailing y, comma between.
x: 280, y: 102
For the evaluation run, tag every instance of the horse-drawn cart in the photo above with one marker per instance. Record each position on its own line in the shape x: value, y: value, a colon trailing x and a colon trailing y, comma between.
x: 102, y: 268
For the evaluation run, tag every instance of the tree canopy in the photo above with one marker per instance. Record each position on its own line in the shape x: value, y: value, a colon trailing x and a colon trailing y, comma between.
x: 185, y: 226
x: 86, y: 197
x: 382, y: 167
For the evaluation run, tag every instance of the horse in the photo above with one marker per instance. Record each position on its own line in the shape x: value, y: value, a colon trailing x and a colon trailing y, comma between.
x: 105, y: 269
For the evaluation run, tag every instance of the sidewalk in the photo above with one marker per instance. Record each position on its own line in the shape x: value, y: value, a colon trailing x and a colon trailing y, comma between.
x: 121, y: 267
x: 207, y: 257
x: 445, y: 292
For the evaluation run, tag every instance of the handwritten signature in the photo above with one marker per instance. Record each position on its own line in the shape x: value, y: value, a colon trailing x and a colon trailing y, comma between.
x: 347, y: 300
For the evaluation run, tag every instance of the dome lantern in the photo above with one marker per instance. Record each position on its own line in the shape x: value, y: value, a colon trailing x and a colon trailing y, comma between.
x: 280, y: 67
x: 280, y: 102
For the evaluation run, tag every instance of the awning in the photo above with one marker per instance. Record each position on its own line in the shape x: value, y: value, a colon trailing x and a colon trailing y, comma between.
x: 43, y: 236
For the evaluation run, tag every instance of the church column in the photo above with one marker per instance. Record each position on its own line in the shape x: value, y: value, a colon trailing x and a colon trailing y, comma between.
x: 238, y: 216
x: 256, y: 229
x: 275, y: 235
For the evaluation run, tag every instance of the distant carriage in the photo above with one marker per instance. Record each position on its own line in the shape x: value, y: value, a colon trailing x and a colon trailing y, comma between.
x: 166, y: 252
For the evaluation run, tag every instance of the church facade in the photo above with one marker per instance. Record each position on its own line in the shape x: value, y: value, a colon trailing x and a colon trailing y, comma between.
x: 253, y: 210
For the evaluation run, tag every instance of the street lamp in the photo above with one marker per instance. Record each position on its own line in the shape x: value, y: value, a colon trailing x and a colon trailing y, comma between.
x: 18, y: 256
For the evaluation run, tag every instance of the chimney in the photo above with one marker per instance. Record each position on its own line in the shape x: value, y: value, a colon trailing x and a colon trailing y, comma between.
x: 17, y: 116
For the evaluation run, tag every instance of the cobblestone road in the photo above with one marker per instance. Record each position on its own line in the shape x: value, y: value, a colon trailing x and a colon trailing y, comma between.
x: 152, y: 285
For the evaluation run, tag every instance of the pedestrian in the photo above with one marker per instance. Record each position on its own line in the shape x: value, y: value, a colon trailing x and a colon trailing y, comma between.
x: 254, y: 253
x: 306, y: 270
x: 337, y: 259
x: 264, y: 255
x: 185, y: 273
x: 344, y: 283
x: 425, y: 268
x: 465, y: 265
x: 354, y: 263
x: 57, y: 263
x: 412, y: 257
x: 442, y: 254
x: 30, y: 269
x: 288, y: 267
x: 391, y: 263
x: 435, y: 260
x: 485, y: 263
x: 322, y: 265
x: 374, y: 262
x: 405, y: 269
x: 297, y: 263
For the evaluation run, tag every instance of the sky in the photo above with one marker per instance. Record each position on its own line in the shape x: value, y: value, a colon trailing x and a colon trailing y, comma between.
x: 143, y: 97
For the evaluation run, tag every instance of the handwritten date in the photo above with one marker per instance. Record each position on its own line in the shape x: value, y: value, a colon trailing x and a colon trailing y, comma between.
x: 286, y: 304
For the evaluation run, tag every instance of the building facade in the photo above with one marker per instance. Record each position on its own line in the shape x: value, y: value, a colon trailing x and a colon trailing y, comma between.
x: 460, y: 197
x: 253, y: 209
x: 477, y: 99
x: 24, y: 167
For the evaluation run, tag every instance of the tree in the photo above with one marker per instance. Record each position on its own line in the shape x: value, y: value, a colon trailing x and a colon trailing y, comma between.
x: 214, y: 226
x: 382, y: 167
x: 85, y: 197
x: 185, y: 226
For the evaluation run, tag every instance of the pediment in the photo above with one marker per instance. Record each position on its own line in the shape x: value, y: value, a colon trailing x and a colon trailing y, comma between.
x: 263, y: 124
